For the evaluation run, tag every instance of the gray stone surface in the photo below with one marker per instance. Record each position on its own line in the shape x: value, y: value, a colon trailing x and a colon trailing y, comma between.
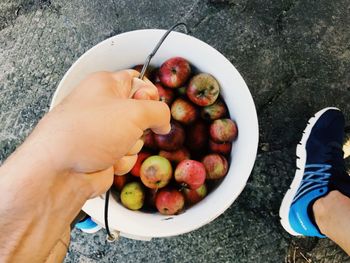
x: 294, y: 56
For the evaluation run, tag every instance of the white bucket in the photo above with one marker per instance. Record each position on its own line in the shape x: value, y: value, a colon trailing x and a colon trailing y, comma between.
x: 131, y: 48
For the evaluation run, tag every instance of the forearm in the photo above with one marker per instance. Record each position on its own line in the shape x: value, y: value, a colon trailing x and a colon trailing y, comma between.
x: 34, y: 211
x: 70, y: 157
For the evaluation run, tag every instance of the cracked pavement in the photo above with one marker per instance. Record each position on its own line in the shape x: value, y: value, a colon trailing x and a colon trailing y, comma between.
x: 294, y: 56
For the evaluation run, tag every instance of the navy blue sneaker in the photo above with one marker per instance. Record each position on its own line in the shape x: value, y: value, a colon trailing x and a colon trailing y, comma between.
x: 320, y: 169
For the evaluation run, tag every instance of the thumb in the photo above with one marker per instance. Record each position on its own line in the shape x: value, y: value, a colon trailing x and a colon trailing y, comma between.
x: 150, y: 114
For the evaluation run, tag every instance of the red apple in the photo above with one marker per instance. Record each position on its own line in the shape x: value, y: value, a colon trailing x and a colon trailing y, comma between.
x: 183, y: 111
x: 223, y: 148
x: 197, y: 136
x: 194, y: 196
x: 169, y: 201
x: 174, y: 72
x: 216, y: 166
x: 176, y: 156
x: 203, y: 89
x: 119, y: 181
x: 155, y: 172
x: 190, y: 173
x: 223, y: 130
x: 148, y: 139
x: 214, y: 111
x: 135, y: 171
x: 173, y: 140
x: 149, y: 70
x: 165, y: 95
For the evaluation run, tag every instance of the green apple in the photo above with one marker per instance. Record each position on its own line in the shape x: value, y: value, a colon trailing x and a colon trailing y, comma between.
x: 132, y: 196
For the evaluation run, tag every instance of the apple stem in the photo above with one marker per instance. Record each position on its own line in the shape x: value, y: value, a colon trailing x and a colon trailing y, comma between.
x: 183, y: 186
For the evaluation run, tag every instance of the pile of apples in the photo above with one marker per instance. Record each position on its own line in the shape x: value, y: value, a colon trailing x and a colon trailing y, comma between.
x: 179, y: 169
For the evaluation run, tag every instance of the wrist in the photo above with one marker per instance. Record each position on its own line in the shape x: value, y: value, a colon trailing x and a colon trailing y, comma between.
x: 37, y: 198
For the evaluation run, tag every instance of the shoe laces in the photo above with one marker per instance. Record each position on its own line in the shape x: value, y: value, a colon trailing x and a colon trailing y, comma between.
x: 315, y: 176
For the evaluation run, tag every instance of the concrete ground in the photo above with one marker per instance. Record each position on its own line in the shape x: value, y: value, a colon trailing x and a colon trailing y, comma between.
x: 294, y: 56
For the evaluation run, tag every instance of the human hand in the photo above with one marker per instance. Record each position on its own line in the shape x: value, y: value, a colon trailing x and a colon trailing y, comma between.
x: 95, y: 132
x: 71, y: 156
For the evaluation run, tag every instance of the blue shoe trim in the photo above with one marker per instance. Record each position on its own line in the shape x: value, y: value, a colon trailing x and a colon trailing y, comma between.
x: 299, y: 218
x: 313, y: 185
x: 86, y: 224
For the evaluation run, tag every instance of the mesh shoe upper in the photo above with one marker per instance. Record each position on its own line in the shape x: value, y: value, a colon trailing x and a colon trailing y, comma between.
x: 325, y: 146
x: 323, y: 171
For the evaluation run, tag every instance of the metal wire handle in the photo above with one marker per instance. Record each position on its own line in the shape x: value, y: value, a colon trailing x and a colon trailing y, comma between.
x: 150, y: 56
x: 111, y: 237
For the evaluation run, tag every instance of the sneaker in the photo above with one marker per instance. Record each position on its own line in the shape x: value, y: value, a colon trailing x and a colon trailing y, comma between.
x: 87, y: 225
x: 320, y: 169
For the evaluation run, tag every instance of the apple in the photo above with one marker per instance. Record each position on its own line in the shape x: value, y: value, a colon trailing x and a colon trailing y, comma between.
x: 203, y: 89
x: 165, y: 95
x: 216, y: 166
x: 183, y: 111
x: 141, y: 156
x: 169, y: 201
x: 176, y: 156
x: 223, y: 148
x: 174, y: 72
x: 223, y: 130
x: 119, y: 181
x: 148, y: 139
x: 149, y: 70
x: 197, y: 136
x: 193, y: 196
x: 214, y: 111
x: 173, y: 140
x: 132, y: 196
x: 192, y: 157
x: 190, y: 173
x: 155, y: 172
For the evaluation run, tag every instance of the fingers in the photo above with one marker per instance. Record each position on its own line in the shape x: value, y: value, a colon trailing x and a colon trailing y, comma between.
x: 121, y: 84
x: 143, y: 90
x: 124, y: 164
x: 100, y: 181
x: 136, y: 148
x: 126, y: 74
x: 129, y: 83
x: 150, y: 114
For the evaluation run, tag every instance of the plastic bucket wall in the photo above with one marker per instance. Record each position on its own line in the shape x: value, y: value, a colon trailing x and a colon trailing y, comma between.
x: 131, y: 48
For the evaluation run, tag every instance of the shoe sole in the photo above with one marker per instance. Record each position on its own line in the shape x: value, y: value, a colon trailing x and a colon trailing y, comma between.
x: 300, y: 163
x: 91, y: 230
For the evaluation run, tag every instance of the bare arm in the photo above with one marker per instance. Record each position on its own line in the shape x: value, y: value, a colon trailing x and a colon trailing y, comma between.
x: 70, y: 157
